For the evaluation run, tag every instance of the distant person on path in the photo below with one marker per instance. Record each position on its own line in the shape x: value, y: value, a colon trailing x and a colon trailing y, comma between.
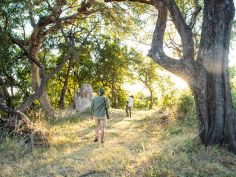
x: 129, y: 105
x: 98, y: 111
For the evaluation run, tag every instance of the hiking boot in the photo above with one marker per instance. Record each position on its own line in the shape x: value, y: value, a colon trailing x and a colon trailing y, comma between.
x: 95, y: 140
x: 102, y: 141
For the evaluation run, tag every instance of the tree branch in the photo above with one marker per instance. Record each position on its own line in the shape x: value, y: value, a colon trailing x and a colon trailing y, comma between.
x: 59, y: 24
x: 44, y: 80
x: 83, y: 10
x: 18, y: 41
x: 31, y: 15
x: 195, y: 14
x: 174, y: 46
x: 139, y: 1
x: 21, y: 44
x: 183, y: 29
x: 178, y: 67
x: 36, y: 3
x: 12, y: 111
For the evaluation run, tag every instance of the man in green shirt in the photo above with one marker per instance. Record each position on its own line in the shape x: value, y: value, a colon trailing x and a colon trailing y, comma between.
x: 98, y: 110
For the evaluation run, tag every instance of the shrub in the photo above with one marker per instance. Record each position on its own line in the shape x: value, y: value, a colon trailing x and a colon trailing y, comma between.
x: 234, y: 99
x: 186, y: 103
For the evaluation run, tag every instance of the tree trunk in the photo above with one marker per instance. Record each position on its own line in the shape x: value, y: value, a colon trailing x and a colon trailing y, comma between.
x: 63, y: 91
x: 211, y: 88
x: 151, y: 100
x: 113, y: 92
x: 35, y: 73
x: 151, y: 96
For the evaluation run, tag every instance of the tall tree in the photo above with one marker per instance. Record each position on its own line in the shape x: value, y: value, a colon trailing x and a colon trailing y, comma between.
x: 111, y: 65
x: 45, y: 17
x: 144, y: 70
x: 207, y: 72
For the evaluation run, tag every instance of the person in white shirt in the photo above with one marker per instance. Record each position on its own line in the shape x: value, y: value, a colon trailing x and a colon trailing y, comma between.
x: 129, y: 105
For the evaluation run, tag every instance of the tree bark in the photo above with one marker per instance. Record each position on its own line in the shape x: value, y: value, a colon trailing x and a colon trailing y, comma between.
x: 113, y: 92
x: 207, y: 76
x: 13, y: 112
x: 151, y: 99
x: 211, y: 88
x: 63, y: 91
x: 6, y: 95
x: 151, y: 94
x: 35, y: 43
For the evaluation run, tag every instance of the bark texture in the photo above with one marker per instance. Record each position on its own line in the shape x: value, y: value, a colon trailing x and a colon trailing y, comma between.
x: 35, y: 44
x: 207, y: 75
x: 212, y: 89
x: 63, y: 91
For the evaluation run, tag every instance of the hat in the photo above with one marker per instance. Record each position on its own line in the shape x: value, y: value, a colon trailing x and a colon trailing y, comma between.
x: 100, y: 92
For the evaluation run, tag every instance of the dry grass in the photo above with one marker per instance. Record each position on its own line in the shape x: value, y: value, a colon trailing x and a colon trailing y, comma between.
x: 145, y: 145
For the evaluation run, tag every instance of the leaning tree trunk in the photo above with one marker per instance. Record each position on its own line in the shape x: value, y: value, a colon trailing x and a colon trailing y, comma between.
x: 63, y: 91
x: 211, y: 88
x: 35, y: 73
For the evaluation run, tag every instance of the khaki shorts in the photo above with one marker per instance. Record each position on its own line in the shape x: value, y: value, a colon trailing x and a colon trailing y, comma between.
x: 101, y: 121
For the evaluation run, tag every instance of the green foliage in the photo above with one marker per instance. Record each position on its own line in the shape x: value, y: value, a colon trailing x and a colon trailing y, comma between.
x: 111, y: 65
x: 121, y: 19
x: 233, y: 31
x: 115, y: 19
x: 141, y: 101
x: 169, y: 95
x: 14, y: 69
x: 232, y: 79
x: 144, y: 70
x: 175, y: 131
x: 103, y: 62
x: 186, y: 103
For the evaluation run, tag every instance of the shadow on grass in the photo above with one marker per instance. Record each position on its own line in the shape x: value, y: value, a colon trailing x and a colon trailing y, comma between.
x: 84, y: 132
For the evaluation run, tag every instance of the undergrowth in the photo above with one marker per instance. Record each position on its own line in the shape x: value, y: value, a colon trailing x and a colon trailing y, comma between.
x: 151, y: 143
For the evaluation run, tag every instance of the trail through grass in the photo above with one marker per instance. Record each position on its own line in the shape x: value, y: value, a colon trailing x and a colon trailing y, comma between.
x: 145, y: 145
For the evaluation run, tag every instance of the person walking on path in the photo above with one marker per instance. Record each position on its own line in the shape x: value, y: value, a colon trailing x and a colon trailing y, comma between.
x: 129, y: 105
x: 100, y: 105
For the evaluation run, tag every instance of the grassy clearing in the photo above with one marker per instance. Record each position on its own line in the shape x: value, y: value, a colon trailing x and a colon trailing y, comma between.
x: 148, y: 144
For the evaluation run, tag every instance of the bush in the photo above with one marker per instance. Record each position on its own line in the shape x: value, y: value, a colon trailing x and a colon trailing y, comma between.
x: 234, y: 100
x: 141, y: 104
x: 168, y: 99
x: 186, y: 104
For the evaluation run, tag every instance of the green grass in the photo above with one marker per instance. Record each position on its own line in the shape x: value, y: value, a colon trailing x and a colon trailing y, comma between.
x: 144, y: 145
